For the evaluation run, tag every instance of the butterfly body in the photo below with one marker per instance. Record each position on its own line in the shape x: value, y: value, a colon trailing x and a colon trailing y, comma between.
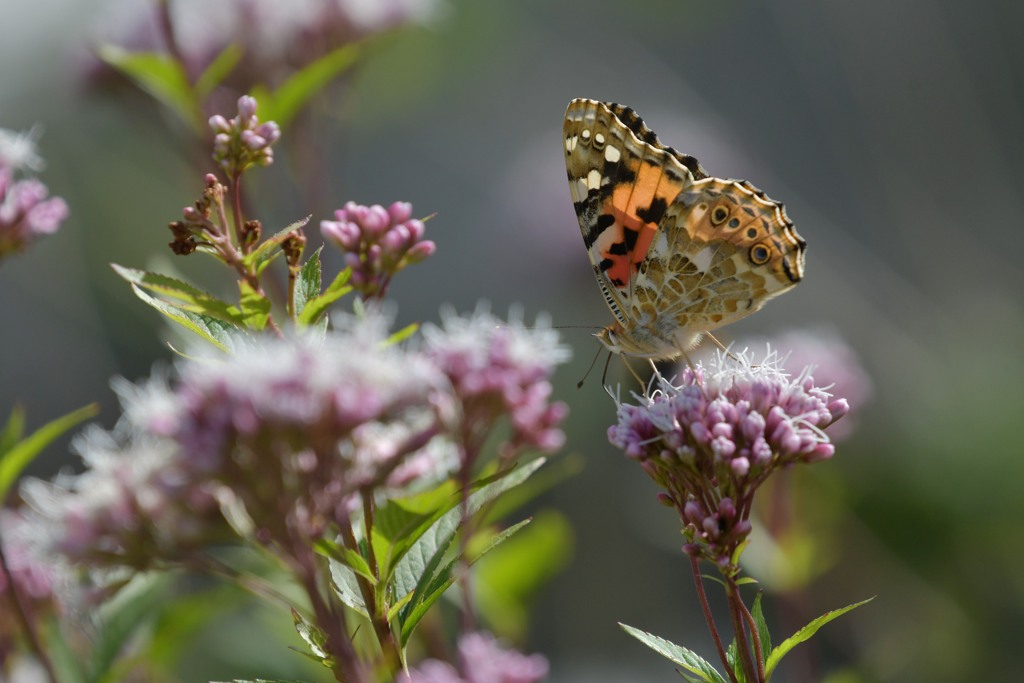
x: 676, y: 252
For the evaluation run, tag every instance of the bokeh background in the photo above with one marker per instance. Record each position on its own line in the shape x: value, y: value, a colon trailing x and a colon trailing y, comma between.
x: 893, y: 131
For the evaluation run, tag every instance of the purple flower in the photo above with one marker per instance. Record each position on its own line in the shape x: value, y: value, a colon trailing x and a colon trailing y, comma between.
x: 377, y: 243
x: 713, y: 439
x: 25, y: 212
x: 833, y: 364
x: 499, y: 369
x: 481, y: 660
x: 243, y: 141
x: 279, y: 440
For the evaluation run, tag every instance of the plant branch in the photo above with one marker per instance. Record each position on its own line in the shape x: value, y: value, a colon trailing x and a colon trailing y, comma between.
x: 709, y: 618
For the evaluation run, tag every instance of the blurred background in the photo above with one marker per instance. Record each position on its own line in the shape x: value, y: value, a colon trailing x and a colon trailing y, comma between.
x: 893, y: 132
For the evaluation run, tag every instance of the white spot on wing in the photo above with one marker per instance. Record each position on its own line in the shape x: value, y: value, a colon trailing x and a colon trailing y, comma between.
x: 702, y: 259
x: 612, y: 154
x: 570, y: 143
x: 594, y: 179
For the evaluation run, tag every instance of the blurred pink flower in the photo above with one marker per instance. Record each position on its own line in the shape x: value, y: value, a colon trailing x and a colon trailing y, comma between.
x: 481, y: 660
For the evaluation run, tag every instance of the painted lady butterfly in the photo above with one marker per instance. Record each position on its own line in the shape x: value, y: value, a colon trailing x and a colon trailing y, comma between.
x: 677, y: 253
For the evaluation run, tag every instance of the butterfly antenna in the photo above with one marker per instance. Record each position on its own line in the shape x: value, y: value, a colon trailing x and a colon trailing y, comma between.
x: 721, y: 346
x: 579, y: 385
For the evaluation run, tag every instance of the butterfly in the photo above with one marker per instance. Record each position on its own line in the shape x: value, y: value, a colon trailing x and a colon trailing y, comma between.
x: 677, y: 253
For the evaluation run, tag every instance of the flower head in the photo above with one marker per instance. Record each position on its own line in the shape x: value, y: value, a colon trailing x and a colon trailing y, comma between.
x: 377, y: 243
x: 243, y: 141
x: 25, y: 211
x: 711, y: 440
x: 481, y: 660
x: 497, y: 369
x: 832, y: 362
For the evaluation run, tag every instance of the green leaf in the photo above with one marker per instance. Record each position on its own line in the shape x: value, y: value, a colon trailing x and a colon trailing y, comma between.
x: 346, y: 585
x: 255, y: 307
x: 421, y: 601
x: 804, y: 634
x: 262, y: 253
x: 15, y: 459
x: 160, y: 76
x: 217, y: 70
x: 291, y: 96
x: 13, y: 430
x: 122, y: 618
x: 213, y: 330
x: 189, y: 298
x: 346, y: 556
x: 762, y: 628
x: 410, y: 565
x: 308, y: 282
x: 402, y: 334
x: 684, y: 657
x: 318, y: 305
x: 314, y: 637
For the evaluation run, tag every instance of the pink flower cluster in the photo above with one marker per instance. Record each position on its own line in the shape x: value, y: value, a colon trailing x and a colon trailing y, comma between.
x: 377, y: 243
x: 481, y: 660
x: 501, y: 369
x: 25, y: 212
x: 243, y: 141
x: 279, y: 440
x: 714, y: 438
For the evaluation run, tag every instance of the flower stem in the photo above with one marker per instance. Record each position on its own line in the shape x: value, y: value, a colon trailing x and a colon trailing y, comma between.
x: 736, y: 610
x: 348, y: 668
x: 709, y: 618
x: 378, y: 616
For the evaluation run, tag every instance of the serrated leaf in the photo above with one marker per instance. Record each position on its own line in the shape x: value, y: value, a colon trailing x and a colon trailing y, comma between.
x: 762, y: 628
x: 15, y: 459
x: 262, y: 252
x: 217, y: 70
x: 213, y: 330
x: 346, y: 556
x: 255, y: 307
x: 410, y: 565
x: 189, y: 297
x: 805, y: 634
x: 422, y: 601
x: 160, y: 76
x: 291, y: 96
x: 308, y: 281
x: 345, y: 583
x: 312, y: 635
x: 684, y: 657
x: 318, y: 305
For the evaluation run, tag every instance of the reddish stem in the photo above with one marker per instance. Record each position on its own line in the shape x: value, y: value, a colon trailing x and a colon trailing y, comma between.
x: 702, y: 596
